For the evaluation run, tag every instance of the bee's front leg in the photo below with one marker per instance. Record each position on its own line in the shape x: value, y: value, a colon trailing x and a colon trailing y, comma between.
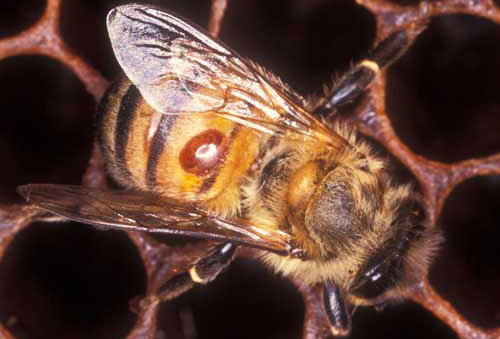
x: 336, y: 309
x: 352, y: 84
x: 203, y: 271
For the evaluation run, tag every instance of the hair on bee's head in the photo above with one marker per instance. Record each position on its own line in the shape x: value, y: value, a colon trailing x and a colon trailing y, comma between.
x: 345, y: 204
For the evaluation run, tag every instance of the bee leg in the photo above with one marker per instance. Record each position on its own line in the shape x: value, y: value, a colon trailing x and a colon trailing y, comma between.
x: 352, y: 84
x: 173, y: 288
x: 336, y: 309
x: 203, y: 271
x: 209, y: 267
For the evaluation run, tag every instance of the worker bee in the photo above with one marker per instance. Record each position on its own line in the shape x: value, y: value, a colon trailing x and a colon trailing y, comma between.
x: 210, y: 145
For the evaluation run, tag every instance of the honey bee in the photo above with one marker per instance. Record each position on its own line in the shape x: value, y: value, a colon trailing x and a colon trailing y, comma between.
x: 210, y: 145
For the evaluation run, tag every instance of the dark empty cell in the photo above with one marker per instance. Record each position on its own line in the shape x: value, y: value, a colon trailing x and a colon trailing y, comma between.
x: 83, y: 26
x: 70, y: 281
x: 16, y: 16
x: 443, y: 94
x: 46, y: 126
x: 466, y: 271
x: 303, y: 42
x: 404, y: 320
x: 246, y: 301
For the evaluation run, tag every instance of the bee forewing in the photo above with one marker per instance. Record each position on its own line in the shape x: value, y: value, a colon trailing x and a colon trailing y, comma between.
x: 146, y: 212
x: 180, y: 69
x: 145, y: 36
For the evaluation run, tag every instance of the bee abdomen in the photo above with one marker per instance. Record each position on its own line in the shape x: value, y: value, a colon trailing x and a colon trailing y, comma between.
x: 125, y: 135
x: 191, y: 157
x: 124, y: 119
x: 113, y: 128
x: 158, y: 142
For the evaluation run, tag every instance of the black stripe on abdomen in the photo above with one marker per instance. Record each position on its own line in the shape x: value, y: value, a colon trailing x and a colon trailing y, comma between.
x: 104, y: 111
x: 157, y: 146
x: 124, y: 120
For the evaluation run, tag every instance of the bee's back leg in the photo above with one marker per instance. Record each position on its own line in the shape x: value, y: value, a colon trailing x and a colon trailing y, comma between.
x: 203, y: 271
x: 352, y: 84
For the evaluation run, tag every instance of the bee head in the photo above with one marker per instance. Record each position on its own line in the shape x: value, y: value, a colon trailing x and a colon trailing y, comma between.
x: 400, y: 259
x: 374, y: 232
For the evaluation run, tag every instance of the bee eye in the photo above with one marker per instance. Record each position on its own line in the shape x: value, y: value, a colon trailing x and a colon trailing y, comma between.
x: 203, y: 152
x: 386, y: 268
x: 379, y: 277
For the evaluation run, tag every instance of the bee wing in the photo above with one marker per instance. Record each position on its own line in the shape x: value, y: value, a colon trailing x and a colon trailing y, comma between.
x: 179, y: 69
x: 145, y: 212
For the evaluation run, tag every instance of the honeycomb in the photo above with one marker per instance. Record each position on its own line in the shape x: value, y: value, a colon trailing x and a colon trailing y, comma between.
x: 434, y: 113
